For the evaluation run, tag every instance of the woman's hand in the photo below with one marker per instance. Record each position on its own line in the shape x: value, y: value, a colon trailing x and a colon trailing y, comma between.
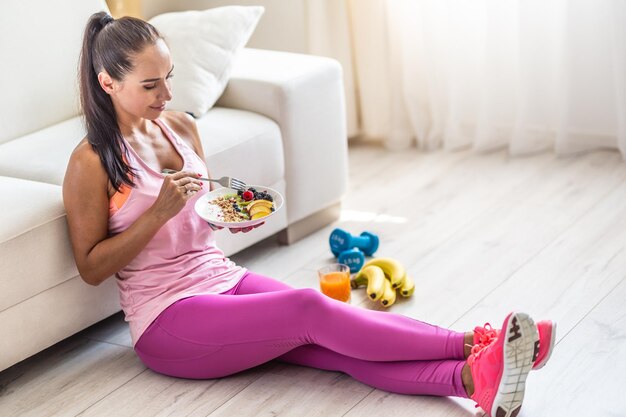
x: 236, y: 229
x: 177, y: 188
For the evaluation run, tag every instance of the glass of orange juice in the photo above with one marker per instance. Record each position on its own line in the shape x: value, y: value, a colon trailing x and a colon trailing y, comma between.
x: 335, y: 281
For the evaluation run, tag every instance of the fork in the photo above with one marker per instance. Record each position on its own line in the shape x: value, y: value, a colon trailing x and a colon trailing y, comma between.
x: 228, y: 182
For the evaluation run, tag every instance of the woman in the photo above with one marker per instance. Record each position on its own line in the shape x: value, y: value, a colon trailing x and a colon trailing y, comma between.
x: 195, y: 314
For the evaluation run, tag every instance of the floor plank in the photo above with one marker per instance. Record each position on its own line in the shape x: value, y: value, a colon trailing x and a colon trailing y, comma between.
x: 295, y: 391
x: 480, y: 256
x: 586, y: 376
x: 567, y: 279
x: 66, y: 378
x: 152, y: 394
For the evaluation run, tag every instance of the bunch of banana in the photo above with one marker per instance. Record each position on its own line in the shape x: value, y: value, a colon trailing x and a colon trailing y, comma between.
x: 383, y: 276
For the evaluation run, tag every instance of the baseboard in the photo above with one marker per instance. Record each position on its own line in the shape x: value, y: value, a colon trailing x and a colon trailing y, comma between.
x: 310, y: 224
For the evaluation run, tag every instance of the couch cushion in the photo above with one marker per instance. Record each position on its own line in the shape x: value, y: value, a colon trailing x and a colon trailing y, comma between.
x: 42, y: 156
x: 35, y: 248
x: 52, y: 315
x: 228, y: 135
x: 242, y: 144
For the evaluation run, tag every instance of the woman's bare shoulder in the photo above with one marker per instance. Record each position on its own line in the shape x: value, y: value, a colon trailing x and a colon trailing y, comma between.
x: 185, y: 126
x: 85, y: 156
x: 182, y: 123
x: 85, y: 163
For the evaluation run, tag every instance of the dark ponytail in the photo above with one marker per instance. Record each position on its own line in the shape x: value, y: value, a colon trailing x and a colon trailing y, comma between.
x: 109, y: 45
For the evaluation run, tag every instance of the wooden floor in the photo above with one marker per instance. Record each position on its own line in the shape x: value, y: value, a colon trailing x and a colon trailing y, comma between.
x: 481, y: 235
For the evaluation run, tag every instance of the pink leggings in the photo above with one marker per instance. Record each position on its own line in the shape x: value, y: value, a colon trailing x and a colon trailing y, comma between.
x: 260, y: 319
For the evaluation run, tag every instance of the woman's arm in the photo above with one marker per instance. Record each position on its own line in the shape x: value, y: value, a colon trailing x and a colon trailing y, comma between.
x: 86, y: 200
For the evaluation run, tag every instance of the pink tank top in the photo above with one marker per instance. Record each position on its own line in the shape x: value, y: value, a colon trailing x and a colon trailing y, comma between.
x: 181, y: 260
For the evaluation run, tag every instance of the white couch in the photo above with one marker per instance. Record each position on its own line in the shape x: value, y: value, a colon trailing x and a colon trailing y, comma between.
x: 280, y: 122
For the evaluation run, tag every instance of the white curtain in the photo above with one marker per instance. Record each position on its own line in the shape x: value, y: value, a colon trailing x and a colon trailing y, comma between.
x: 528, y: 75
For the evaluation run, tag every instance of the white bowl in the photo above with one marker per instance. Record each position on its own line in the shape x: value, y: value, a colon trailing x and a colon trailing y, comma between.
x: 210, y: 212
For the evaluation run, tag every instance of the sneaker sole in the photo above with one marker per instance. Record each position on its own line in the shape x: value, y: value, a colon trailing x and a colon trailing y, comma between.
x: 541, y: 364
x: 518, y: 349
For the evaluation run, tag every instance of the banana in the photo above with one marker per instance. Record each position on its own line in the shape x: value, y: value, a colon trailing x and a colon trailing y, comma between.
x: 358, y: 281
x: 407, y: 289
x: 389, y: 295
x: 375, y: 278
x: 394, y: 271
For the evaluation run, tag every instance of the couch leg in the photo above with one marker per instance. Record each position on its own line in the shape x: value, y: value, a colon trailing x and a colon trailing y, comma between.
x: 310, y: 224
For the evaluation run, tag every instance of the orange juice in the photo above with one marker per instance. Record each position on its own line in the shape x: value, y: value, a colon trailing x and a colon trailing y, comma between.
x: 336, y: 285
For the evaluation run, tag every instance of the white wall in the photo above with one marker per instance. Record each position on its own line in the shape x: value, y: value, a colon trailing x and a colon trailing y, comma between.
x: 283, y: 27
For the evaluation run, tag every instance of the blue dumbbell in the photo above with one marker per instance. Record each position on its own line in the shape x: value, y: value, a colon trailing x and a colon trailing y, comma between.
x: 354, y: 258
x: 340, y: 240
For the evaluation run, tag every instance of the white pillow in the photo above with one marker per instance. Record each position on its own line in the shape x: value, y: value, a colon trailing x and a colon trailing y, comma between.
x: 203, y: 45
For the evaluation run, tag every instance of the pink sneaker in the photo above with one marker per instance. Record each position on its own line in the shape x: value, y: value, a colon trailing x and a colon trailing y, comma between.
x: 543, y: 346
x: 499, y: 369
x: 547, y: 336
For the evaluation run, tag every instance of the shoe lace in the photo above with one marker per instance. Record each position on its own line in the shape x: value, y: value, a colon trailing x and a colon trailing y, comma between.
x: 486, y: 336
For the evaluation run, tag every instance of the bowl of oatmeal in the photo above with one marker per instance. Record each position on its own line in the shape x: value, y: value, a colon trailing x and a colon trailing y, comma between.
x: 229, y: 208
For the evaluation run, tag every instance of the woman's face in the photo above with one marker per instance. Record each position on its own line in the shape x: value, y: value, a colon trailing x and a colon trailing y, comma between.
x: 146, y: 89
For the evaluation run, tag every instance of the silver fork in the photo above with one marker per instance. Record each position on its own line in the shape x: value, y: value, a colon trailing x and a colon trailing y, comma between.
x: 229, y: 182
